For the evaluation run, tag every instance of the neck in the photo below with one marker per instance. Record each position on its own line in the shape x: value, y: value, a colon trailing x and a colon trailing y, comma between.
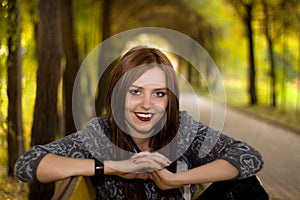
x: 142, y: 143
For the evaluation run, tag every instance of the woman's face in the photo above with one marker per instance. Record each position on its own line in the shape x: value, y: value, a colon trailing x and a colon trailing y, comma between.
x: 146, y: 102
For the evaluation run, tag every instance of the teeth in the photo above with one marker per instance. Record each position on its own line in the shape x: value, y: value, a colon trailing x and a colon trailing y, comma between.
x: 144, y: 114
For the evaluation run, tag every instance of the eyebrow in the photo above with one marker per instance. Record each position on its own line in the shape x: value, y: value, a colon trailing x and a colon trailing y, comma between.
x: 140, y: 87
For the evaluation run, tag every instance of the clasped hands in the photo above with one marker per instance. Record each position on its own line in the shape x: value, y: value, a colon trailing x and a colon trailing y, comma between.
x: 145, y: 165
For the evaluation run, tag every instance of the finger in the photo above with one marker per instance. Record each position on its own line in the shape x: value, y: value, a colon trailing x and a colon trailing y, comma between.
x: 147, y: 164
x: 152, y: 162
x: 142, y: 176
x: 162, y: 156
x: 162, y: 160
x: 155, y: 156
x: 141, y: 154
x: 154, y: 176
x: 150, y: 176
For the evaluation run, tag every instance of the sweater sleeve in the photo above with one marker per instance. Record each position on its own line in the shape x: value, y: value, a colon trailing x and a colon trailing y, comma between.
x: 209, y: 145
x: 73, y: 145
x: 26, y: 165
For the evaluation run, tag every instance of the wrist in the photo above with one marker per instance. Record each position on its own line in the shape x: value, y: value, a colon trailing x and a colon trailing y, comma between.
x: 179, y: 180
x: 108, y: 167
x: 99, y: 168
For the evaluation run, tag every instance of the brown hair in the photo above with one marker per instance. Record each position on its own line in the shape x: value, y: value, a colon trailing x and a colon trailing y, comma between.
x: 122, y: 76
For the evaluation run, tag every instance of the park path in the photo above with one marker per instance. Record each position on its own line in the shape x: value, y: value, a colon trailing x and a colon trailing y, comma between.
x: 280, y: 147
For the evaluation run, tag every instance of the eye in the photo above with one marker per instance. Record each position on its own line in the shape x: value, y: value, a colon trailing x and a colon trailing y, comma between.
x: 134, y: 91
x: 159, y: 94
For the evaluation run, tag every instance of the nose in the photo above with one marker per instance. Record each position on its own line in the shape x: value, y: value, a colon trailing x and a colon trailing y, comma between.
x: 146, y: 102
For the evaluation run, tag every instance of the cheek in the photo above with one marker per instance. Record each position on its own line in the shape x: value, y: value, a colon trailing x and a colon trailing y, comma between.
x: 161, y: 105
x: 127, y: 103
x: 130, y: 102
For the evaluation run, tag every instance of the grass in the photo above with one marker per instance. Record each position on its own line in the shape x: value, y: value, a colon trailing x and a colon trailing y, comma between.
x: 286, y: 114
x: 286, y: 119
x: 11, y: 188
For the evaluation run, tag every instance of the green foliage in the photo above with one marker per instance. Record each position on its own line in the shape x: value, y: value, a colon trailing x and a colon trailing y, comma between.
x: 87, y: 20
x: 285, y: 66
x: 3, y: 16
x: 237, y: 97
x: 3, y: 143
x: 3, y: 48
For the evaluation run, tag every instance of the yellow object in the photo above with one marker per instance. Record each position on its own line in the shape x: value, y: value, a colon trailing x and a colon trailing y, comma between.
x: 75, y: 188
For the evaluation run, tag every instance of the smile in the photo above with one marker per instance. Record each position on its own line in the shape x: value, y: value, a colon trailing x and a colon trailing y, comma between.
x: 144, y: 116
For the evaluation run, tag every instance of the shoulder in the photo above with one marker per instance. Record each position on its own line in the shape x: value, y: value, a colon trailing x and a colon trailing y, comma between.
x: 98, y: 125
x: 96, y: 138
x: 196, y: 135
x: 96, y: 128
x: 188, y: 123
x: 190, y: 130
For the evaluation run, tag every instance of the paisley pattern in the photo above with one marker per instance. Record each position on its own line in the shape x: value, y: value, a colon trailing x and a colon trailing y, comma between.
x: 197, y: 144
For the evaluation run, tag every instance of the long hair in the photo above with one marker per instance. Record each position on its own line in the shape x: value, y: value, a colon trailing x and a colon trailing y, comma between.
x: 128, y: 69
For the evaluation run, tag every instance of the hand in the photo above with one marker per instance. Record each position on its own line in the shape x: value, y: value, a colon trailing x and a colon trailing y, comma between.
x: 137, y: 166
x: 152, y: 160
x: 164, y: 179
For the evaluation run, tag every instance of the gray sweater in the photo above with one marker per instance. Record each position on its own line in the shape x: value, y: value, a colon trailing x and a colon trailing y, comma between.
x: 197, y: 144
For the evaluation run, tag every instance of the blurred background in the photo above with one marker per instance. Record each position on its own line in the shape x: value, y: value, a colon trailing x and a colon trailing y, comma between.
x: 254, y: 43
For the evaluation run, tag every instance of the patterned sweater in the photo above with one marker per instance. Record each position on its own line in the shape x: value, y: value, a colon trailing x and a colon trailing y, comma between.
x: 197, y: 144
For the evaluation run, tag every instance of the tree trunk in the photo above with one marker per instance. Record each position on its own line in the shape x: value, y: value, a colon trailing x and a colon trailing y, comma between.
x: 271, y: 54
x: 106, y: 33
x: 251, y: 70
x: 272, y: 72
x: 72, y: 64
x: 15, y: 139
x: 45, y: 119
x: 298, y: 77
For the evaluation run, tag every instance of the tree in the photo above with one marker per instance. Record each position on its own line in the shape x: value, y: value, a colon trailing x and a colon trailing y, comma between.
x: 298, y: 70
x: 288, y: 23
x: 45, y: 119
x: 270, y: 41
x: 72, y: 63
x: 106, y: 33
x: 164, y: 13
x: 298, y: 75
x: 245, y: 8
x: 15, y: 139
x: 279, y: 21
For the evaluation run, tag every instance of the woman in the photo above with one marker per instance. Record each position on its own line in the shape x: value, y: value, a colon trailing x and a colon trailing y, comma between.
x: 135, y: 151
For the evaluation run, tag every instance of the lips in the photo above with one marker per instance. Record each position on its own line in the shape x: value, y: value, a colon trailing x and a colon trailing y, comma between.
x: 144, y: 116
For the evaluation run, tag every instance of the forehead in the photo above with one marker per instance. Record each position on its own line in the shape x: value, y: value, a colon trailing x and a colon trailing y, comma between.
x: 154, y: 75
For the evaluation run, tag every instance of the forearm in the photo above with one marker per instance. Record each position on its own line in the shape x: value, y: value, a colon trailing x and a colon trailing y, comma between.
x: 217, y: 170
x: 53, y: 167
x: 137, y: 166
